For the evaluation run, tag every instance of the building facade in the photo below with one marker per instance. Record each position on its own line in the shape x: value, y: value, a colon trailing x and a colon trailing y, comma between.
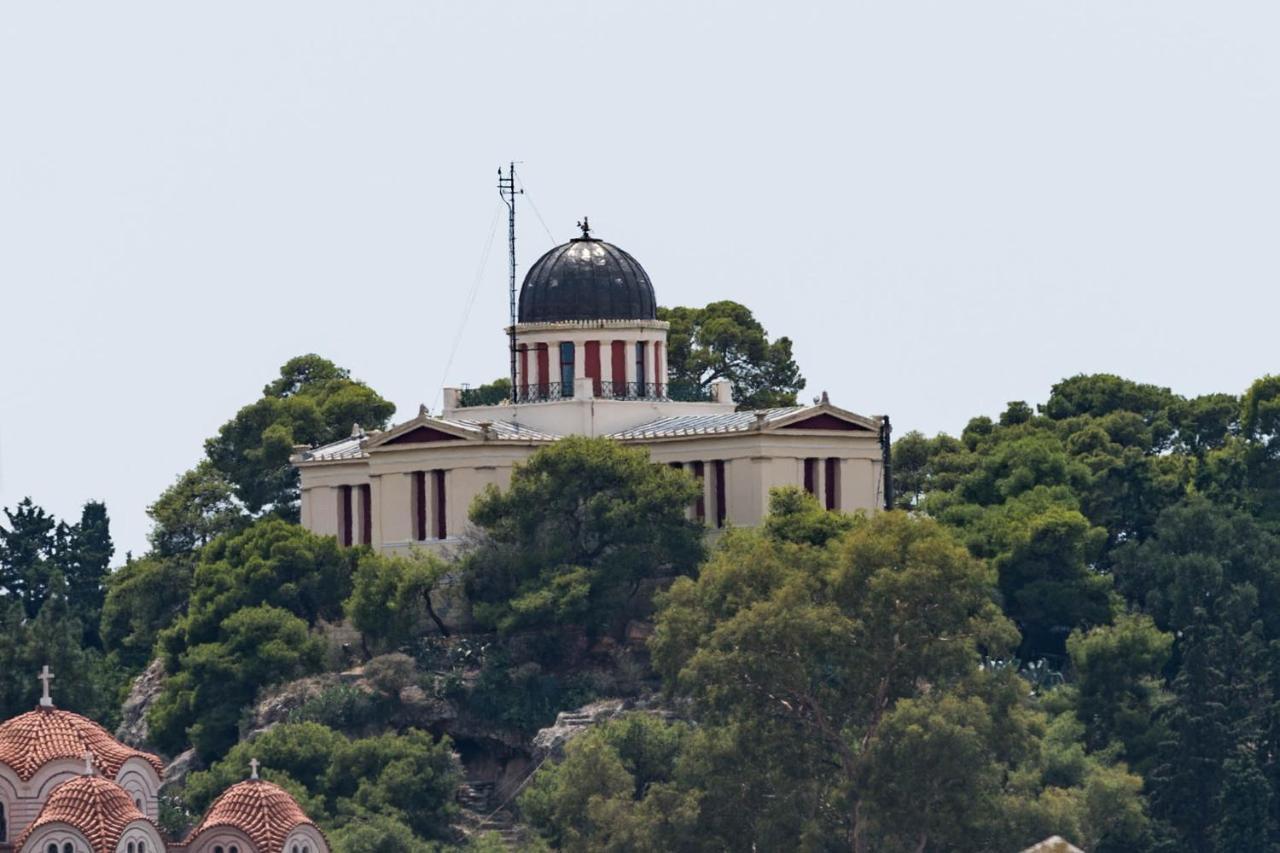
x: 590, y: 360
x: 68, y: 786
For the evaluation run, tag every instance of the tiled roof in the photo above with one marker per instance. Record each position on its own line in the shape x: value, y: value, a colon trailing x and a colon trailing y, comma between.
x: 263, y: 811
x: 350, y: 448
x: 98, y: 808
x: 31, y: 740
x: 347, y: 448
x: 680, y: 425
x: 503, y: 430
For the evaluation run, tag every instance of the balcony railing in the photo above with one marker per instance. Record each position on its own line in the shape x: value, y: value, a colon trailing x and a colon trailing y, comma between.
x: 549, y: 391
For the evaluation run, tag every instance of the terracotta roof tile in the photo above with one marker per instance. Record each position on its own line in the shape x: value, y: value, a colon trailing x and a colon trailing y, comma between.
x: 30, y: 741
x: 263, y: 811
x: 97, y: 807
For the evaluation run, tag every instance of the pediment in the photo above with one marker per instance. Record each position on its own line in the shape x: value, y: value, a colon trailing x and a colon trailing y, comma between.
x: 421, y: 435
x: 825, y: 417
x: 826, y: 421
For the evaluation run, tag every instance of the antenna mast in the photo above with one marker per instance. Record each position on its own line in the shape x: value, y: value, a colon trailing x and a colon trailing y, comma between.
x: 508, y: 192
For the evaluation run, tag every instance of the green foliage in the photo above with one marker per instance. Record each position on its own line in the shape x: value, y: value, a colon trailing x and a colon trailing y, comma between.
x: 35, y: 547
x: 254, y: 597
x: 796, y: 516
x: 724, y: 340
x: 210, y: 682
x: 489, y: 394
x: 194, y: 511
x: 144, y: 597
x: 396, y: 787
x: 391, y: 598
x: 851, y: 670
x: 582, y: 526
x: 312, y: 402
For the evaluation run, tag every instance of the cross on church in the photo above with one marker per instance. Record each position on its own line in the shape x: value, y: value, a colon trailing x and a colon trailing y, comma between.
x: 46, y: 701
x: 585, y: 225
x: 253, y: 768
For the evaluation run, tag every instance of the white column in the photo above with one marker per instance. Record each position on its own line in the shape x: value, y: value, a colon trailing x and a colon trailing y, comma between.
x: 394, y: 506
x: 606, y: 361
x: 579, y: 360
x: 629, y: 360
x: 357, y: 515
x: 534, y: 378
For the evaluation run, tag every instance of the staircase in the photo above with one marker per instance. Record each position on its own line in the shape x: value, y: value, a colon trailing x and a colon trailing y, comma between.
x: 478, y: 802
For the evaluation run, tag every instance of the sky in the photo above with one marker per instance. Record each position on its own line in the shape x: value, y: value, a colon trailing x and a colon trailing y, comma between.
x: 945, y: 205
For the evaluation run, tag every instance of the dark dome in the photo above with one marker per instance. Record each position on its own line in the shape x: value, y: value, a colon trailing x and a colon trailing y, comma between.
x: 586, y: 279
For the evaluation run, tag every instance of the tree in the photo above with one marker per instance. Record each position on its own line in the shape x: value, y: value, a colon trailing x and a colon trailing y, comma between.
x: 312, y: 402
x: 1119, y: 691
x: 209, y: 683
x: 26, y: 552
x: 583, y: 525
x: 393, y: 789
x: 827, y: 640
x: 193, y: 511
x: 144, y: 597
x: 724, y: 340
x: 390, y: 601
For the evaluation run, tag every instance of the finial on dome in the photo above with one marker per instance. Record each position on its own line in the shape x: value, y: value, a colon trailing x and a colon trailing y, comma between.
x: 253, y: 769
x: 88, y: 763
x: 826, y: 401
x: 422, y: 410
x: 585, y: 225
x: 46, y: 701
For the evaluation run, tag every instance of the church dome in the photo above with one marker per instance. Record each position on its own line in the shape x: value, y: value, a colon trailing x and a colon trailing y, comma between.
x: 586, y: 279
x: 32, y: 740
x: 97, y: 808
x: 266, y: 813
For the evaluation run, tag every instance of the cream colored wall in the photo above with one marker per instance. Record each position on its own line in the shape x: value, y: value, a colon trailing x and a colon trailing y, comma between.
x: 755, y: 463
x: 587, y: 416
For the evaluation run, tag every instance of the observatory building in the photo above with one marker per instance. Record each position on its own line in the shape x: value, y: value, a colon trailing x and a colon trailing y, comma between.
x: 590, y: 358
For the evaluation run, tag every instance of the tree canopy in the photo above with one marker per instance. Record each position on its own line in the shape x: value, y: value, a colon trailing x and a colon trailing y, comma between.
x: 312, y: 402
x: 724, y: 340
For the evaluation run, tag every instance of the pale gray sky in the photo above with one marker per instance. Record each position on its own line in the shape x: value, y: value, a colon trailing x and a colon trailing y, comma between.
x: 947, y: 205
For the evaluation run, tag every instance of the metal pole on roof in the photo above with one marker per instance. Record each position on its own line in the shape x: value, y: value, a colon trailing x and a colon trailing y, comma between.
x: 508, y: 192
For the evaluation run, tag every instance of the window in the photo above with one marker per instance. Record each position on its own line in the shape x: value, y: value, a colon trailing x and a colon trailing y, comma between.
x: 234, y: 849
x: 344, y: 521
x: 4, y: 824
x: 442, y: 520
x: 566, y: 369
x: 419, y: 505
x: 218, y: 849
x: 52, y: 848
x: 132, y: 847
x: 142, y: 847
x: 641, y: 378
x: 68, y: 848
x: 718, y: 483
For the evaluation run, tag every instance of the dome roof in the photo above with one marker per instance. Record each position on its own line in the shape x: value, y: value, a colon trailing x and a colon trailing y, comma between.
x: 99, y: 808
x: 263, y: 811
x: 586, y: 279
x: 31, y: 740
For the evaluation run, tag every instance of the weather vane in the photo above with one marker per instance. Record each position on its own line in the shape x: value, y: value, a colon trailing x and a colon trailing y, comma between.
x: 585, y: 225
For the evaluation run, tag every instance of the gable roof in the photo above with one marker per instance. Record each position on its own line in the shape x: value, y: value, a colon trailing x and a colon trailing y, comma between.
x: 420, y: 430
x: 820, y: 416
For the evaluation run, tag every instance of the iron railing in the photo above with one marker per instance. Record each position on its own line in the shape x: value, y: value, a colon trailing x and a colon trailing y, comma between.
x: 543, y: 392
x: 547, y: 391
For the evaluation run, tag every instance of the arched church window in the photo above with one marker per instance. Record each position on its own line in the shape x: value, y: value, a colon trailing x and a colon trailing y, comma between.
x: 218, y: 849
x: 68, y: 848
x: 142, y: 847
x: 52, y: 848
x: 132, y: 847
x: 4, y: 824
x: 234, y: 849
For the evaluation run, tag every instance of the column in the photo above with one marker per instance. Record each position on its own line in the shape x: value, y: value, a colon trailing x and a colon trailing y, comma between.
x: 579, y: 359
x: 606, y: 361
x: 629, y: 360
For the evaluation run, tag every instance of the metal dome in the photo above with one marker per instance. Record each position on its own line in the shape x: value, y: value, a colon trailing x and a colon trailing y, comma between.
x: 586, y: 279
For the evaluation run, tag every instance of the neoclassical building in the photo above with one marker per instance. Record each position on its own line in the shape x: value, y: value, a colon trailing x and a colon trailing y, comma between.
x: 590, y: 359
x: 68, y: 786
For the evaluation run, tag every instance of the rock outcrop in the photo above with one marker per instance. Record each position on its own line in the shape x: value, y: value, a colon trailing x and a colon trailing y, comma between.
x: 142, y: 695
